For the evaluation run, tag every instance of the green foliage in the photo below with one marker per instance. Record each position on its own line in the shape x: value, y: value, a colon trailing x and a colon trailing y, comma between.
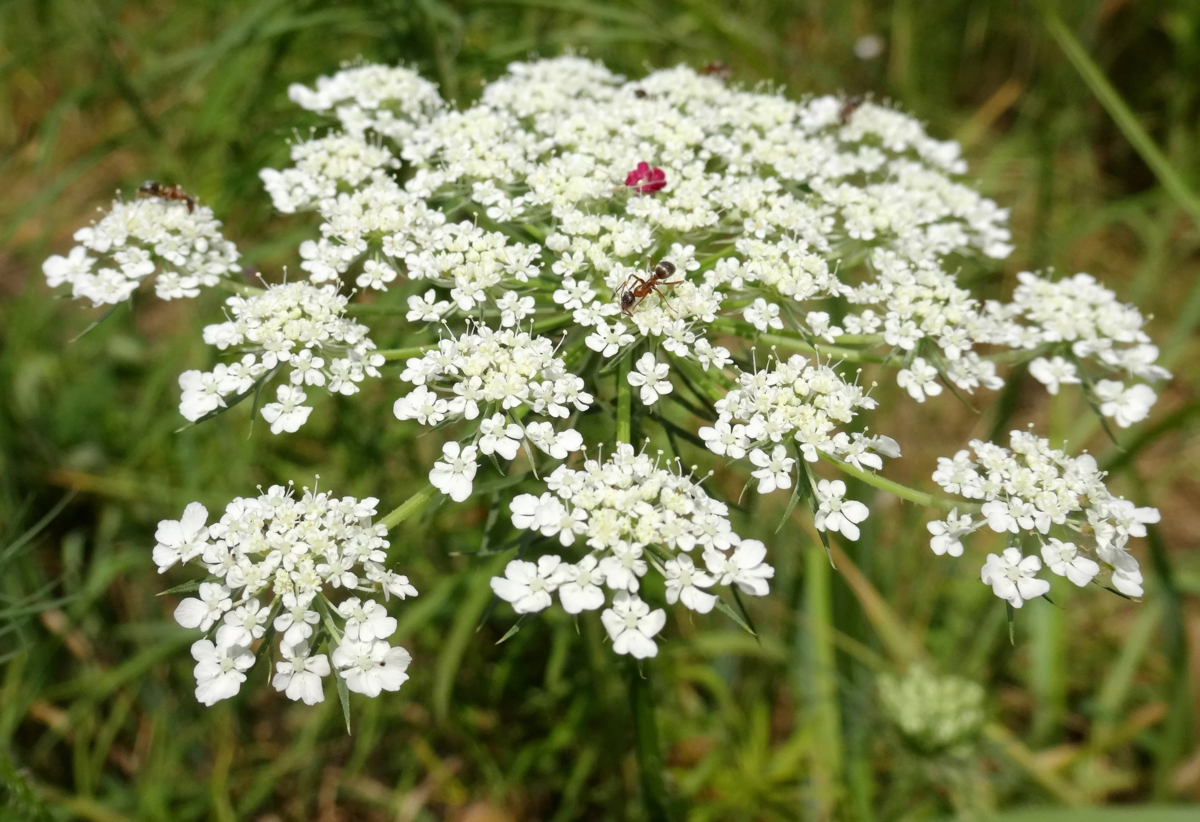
x: 1086, y: 126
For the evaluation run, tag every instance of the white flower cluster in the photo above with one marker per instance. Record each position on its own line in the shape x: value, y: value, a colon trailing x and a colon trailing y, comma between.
x: 495, y: 377
x: 631, y: 514
x: 613, y: 166
x: 385, y: 100
x: 793, y: 400
x: 275, y: 563
x: 918, y: 301
x: 297, y: 326
x: 641, y: 219
x: 182, y: 242
x: 1084, y: 320
x: 1043, y: 499
x: 323, y: 166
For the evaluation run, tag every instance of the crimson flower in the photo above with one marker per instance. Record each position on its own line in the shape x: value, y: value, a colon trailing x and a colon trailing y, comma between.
x: 646, y: 179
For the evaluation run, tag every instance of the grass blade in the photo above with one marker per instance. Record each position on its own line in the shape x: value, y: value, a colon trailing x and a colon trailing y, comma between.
x: 1125, y: 119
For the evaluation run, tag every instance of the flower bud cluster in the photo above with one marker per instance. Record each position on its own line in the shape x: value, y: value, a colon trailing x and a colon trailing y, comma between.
x: 631, y: 514
x: 296, y: 326
x: 134, y: 240
x: 933, y: 712
x: 306, y: 569
x: 1046, y: 501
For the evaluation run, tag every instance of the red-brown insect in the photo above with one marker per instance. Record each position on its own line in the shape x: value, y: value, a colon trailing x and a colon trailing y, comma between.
x: 635, y: 288
x: 849, y: 107
x: 717, y: 69
x: 153, y: 188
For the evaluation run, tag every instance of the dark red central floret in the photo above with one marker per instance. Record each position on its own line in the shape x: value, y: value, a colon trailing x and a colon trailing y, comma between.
x: 646, y: 179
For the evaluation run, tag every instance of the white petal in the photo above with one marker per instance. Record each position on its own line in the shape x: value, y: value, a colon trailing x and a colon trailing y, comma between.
x: 191, y: 612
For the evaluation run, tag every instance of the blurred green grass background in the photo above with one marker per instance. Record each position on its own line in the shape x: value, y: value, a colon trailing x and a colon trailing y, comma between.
x: 1093, y: 704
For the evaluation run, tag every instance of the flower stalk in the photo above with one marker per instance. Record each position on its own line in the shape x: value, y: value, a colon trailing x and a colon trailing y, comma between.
x: 649, y: 755
x: 896, y: 489
x: 409, y: 507
x: 624, y: 401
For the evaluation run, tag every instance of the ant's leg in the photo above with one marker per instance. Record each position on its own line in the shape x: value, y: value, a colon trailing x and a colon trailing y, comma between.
x: 666, y: 303
x: 625, y: 285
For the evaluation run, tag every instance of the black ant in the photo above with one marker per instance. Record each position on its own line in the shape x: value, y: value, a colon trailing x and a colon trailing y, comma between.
x: 630, y: 296
x: 153, y: 188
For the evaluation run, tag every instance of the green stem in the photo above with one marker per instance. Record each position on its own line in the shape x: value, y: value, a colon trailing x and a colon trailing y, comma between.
x: 391, y: 354
x: 1017, y: 356
x: 369, y: 309
x: 825, y: 714
x: 1125, y: 119
x: 552, y: 323
x: 901, y: 491
x: 624, y: 401
x: 649, y: 756
x: 241, y: 288
x: 794, y: 341
x: 863, y: 340
x: 711, y: 386
x: 408, y: 508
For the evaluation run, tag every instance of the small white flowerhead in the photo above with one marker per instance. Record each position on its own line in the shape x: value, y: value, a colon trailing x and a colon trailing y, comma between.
x: 527, y: 585
x: 632, y: 626
x: 651, y: 377
x: 1064, y: 559
x: 920, y: 380
x: 220, y: 670
x: 299, y: 674
x: 289, y: 413
x: 182, y: 539
x: 1125, y: 405
x: 1053, y: 372
x: 1013, y: 577
x: 371, y: 667
x: 454, y: 474
x: 835, y: 512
